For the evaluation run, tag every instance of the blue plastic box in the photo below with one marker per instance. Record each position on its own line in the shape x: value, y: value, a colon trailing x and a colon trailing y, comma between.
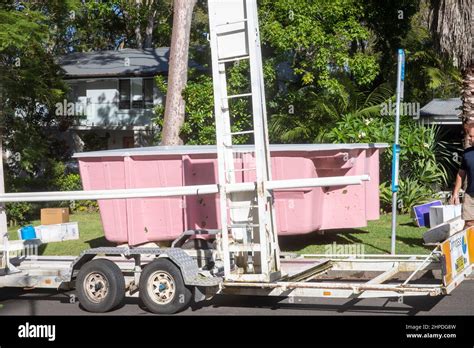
x: 27, y: 232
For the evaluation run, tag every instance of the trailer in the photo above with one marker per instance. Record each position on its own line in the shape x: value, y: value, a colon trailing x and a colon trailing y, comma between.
x: 167, y: 280
x: 245, y: 258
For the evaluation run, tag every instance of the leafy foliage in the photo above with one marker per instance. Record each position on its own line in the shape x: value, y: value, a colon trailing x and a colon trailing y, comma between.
x: 326, y: 40
x: 428, y: 74
x: 315, y: 113
x: 18, y: 213
x: 425, y: 160
x: 63, y: 181
x: 19, y: 28
x: 199, y: 127
x: 30, y: 85
x: 410, y: 193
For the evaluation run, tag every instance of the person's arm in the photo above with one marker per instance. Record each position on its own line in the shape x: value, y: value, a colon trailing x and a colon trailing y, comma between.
x: 457, y: 186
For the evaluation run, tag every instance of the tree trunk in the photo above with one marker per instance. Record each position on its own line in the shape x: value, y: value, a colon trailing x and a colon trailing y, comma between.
x: 138, y: 33
x: 178, y: 72
x: 138, y: 37
x: 468, y: 101
x: 3, y: 213
x: 150, y: 25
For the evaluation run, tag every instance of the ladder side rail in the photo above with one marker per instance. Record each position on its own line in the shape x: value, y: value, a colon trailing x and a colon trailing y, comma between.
x: 261, y: 158
x: 274, y: 245
x: 220, y: 139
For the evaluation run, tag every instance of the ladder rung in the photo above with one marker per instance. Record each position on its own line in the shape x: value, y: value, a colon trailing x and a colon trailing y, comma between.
x: 238, y: 96
x: 241, y: 222
x: 242, y: 132
x: 244, y: 247
x: 243, y: 225
x: 241, y: 170
x: 230, y: 23
x: 252, y: 206
x: 235, y: 59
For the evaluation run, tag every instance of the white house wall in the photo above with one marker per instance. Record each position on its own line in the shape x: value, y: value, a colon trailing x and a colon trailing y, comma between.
x: 100, y: 99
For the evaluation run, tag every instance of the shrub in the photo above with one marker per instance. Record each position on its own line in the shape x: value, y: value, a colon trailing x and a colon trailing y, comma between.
x: 18, y: 213
x: 410, y: 193
x: 71, y: 182
x: 425, y: 160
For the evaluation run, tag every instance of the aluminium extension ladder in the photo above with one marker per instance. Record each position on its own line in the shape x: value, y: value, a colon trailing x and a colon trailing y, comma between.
x: 248, y: 217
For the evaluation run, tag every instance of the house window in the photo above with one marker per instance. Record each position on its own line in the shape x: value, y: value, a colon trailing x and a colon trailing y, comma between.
x: 148, y: 93
x: 124, y: 94
x: 136, y: 93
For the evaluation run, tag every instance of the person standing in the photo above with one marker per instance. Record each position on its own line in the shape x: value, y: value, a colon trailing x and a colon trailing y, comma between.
x: 466, y: 170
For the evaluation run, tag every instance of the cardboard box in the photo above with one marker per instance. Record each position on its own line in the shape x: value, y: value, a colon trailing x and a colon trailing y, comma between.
x: 52, y: 216
x: 58, y: 232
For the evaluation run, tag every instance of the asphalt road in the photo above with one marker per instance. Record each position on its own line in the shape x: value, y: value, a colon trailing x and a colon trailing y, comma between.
x: 45, y: 302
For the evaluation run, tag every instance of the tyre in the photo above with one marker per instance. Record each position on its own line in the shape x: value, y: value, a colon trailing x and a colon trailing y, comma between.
x: 100, y: 286
x: 162, y: 288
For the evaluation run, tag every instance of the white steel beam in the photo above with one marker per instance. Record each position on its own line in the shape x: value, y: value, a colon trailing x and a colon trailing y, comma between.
x: 109, y: 194
x: 48, y: 196
x: 355, y: 287
x: 327, y: 293
x: 317, y: 182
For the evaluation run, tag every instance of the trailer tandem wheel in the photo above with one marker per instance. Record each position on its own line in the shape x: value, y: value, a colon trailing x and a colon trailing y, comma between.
x: 162, y: 287
x: 100, y: 286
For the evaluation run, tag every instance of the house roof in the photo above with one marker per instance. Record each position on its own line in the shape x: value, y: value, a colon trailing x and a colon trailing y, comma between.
x: 442, y: 111
x: 125, y: 62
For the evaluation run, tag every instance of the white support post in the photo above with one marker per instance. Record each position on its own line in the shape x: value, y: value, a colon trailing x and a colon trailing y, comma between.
x: 3, y: 214
x: 396, y: 146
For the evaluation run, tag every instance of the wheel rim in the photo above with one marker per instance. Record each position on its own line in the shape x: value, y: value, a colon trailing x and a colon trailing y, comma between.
x: 96, y: 286
x: 161, y: 287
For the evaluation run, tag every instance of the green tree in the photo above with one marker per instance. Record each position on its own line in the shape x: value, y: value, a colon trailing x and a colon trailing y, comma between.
x: 324, y: 40
x: 389, y: 23
x: 31, y: 84
x: 452, y: 28
x: 315, y: 55
x: 428, y: 73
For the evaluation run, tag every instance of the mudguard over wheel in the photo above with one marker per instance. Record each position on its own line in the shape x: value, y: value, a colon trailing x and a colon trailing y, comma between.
x: 162, y: 288
x: 197, y: 244
x: 100, y: 286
